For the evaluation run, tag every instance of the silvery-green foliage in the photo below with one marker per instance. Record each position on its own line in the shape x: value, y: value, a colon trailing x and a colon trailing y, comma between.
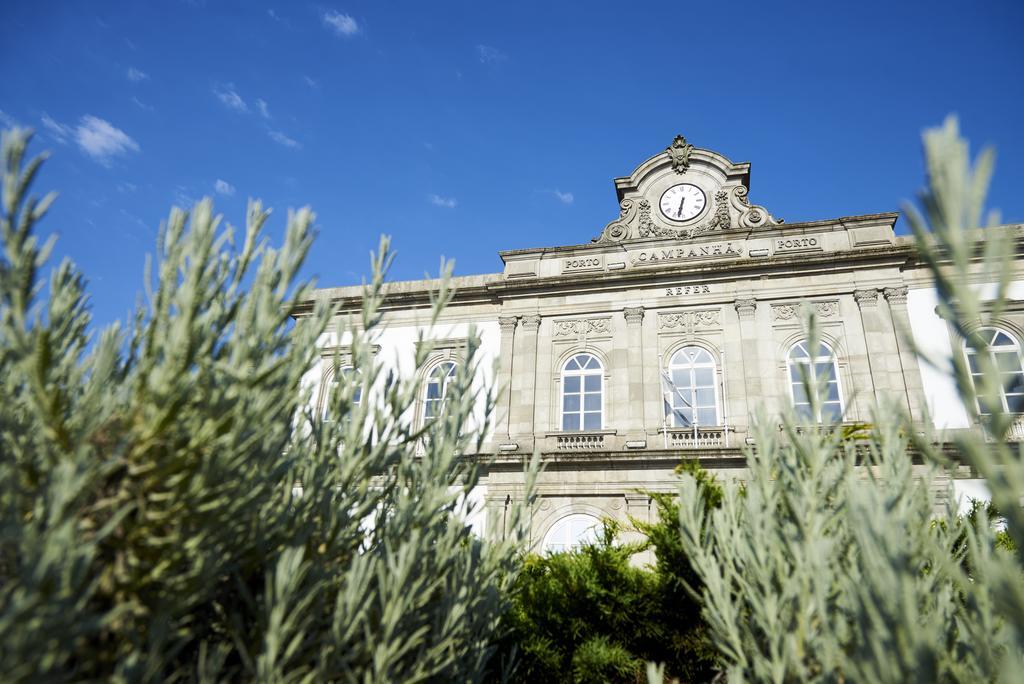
x: 834, y: 561
x: 172, y: 508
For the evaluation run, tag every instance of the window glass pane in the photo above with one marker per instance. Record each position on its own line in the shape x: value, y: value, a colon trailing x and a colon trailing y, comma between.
x: 573, y: 364
x: 592, y: 383
x: 681, y: 378
x: 572, y: 383
x: 972, y: 363
x: 824, y: 371
x: 1008, y: 361
x: 830, y: 412
x: 1015, y: 403
x: 798, y: 352
x: 591, y: 421
x: 592, y: 402
x: 681, y: 418
x: 799, y: 394
x: 571, y: 421
x: 433, y: 390
x: 704, y: 377
x: 795, y: 374
x: 571, y: 402
x: 1013, y: 382
x: 832, y: 392
x: 1000, y: 339
x: 803, y: 411
x: 705, y: 397
x: 707, y: 416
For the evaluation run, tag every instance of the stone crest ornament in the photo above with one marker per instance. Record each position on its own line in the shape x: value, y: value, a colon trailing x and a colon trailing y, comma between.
x: 680, y: 151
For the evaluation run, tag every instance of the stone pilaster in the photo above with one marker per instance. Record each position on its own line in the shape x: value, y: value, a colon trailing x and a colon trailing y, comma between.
x: 749, y: 359
x: 911, y: 372
x: 635, y: 425
x: 523, y: 397
x: 878, y: 341
x: 505, y: 368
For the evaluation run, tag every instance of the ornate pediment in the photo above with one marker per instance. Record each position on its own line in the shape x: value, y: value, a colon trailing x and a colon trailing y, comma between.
x: 682, y: 193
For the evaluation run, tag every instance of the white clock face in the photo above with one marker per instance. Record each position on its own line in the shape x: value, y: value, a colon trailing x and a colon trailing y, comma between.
x: 682, y: 202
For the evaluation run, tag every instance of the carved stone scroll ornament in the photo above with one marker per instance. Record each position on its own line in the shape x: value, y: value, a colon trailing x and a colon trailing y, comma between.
x: 583, y: 326
x: 706, y: 318
x: 679, y: 151
x: 789, y: 312
x: 750, y: 215
x: 638, y: 213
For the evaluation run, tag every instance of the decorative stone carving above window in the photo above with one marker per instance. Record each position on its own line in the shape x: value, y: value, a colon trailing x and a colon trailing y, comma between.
x: 452, y: 348
x: 583, y: 327
x: 687, y: 320
x: 791, y: 312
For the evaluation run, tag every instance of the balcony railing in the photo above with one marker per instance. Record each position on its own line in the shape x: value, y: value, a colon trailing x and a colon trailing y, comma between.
x: 579, y: 442
x: 697, y: 438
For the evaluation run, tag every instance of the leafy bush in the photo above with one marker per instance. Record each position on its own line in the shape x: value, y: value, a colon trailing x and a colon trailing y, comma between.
x: 589, y: 615
x: 173, y: 509
x: 836, y: 563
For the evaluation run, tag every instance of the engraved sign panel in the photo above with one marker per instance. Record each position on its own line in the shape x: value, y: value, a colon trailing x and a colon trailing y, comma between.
x: 577, y: 264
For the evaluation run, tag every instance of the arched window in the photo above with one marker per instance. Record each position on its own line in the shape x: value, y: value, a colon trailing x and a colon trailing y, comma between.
x: 570, y: 532
x: 1003, y: 352
x: 345, y: 374
x: 582, y: 400
x: 822, y: 368
x: 438, y: 382
x: 692, y: 399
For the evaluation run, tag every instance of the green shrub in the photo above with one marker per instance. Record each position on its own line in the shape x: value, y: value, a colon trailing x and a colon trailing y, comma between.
x: 172, y: 509
x: 589, y: 615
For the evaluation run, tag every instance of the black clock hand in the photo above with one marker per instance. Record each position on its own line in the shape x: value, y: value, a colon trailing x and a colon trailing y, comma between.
x: 680, y: 211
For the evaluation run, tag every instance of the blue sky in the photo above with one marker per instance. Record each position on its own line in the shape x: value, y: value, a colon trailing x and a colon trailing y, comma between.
x: 464, y: 128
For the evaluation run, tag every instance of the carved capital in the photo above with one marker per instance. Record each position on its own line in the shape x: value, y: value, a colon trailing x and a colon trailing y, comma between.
x: 896, y: 295
x: 866, y: 297
x: 507, y: 324
x: 531, y: 322
x: 745, y: 307
x: 634, y: 315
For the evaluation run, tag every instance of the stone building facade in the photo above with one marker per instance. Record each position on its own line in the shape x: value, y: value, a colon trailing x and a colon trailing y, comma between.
x: 662, y: 338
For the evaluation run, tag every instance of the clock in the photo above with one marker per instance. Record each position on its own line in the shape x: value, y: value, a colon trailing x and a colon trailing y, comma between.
x: 682, y: 202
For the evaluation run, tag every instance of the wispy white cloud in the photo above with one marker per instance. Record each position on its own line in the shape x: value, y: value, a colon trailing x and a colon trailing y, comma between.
x: 134, y: 75
x: 103, y: 141
x: 142, y: 105
x: 230, y: 98
x: 262, y: 106
x: 6, y: 120
x: 127, y: 187
x: 58, y: 131
x: 490, y: 55
x: 311, y: 82
x: 342, y: 24
x: 564, y: 197
x: 273, y: 15
x: 446, y: 202
x: 282, y: 139
x: 224, y: 188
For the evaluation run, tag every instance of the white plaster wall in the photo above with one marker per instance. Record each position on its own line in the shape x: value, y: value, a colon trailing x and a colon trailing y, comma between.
x: 398, y: 353
x: 931, y: 334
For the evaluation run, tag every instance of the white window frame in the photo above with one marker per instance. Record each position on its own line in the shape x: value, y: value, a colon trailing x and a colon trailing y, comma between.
x: 968, y: 351
x: 581, y: 374
x: 672, y: 365
x: 590, y: 534
x: 445, y: 383
x: 811, y: 361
